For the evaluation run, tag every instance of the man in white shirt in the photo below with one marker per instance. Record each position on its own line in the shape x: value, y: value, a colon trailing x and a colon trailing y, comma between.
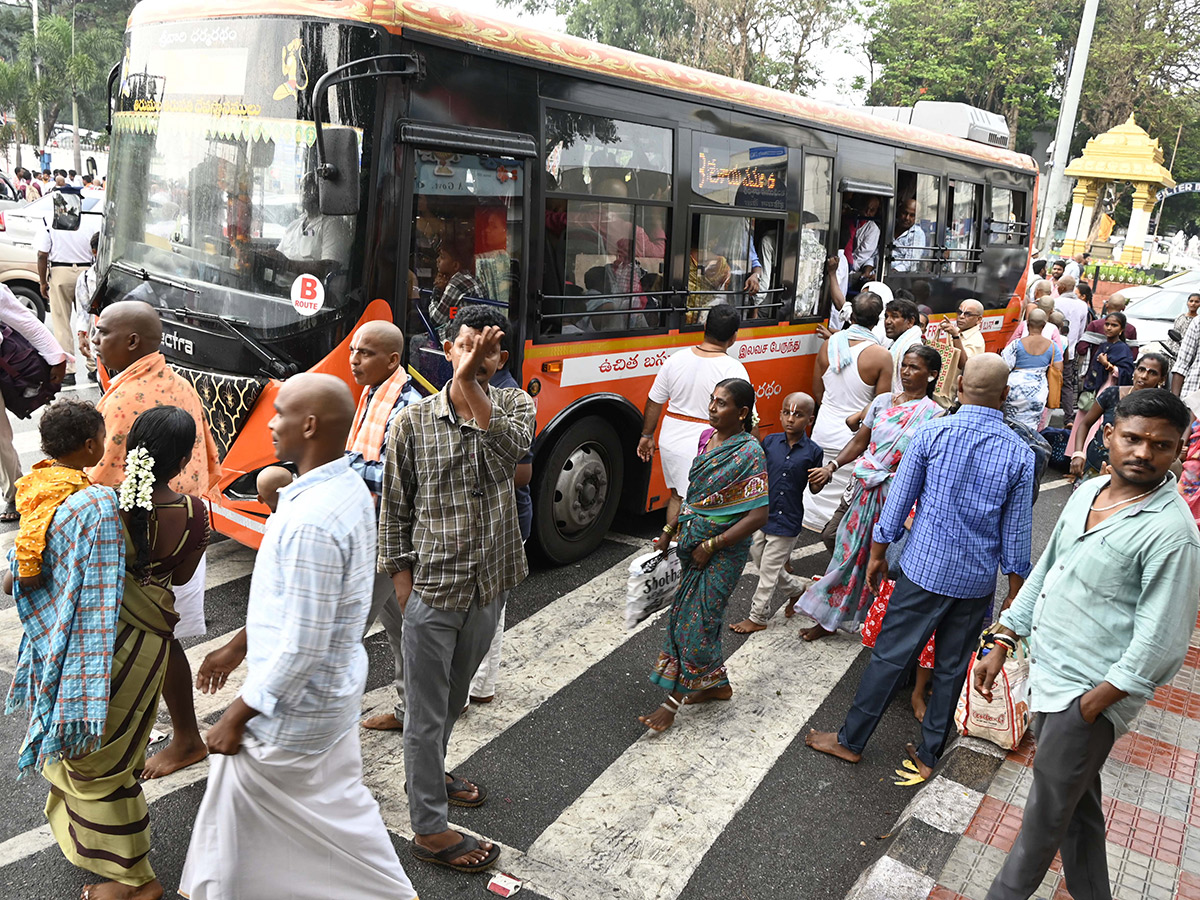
x: 17, y: 316
x: 81, y: 316
x: 1073, y: 268
x: 862, y: 236
x: 1076, y: 313
x: 288, y: 765
x: 314, y: 237
x: 908, y: 240
x: 63, y: 254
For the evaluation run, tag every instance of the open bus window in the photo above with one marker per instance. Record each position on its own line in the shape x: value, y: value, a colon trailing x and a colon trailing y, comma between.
x: 814, y: 233
x: 962, y: 231
x: 466, y: 247
x: 726, y: 265
x: 1007, y: 222
x: 914, y: 232
x: 607, y: 225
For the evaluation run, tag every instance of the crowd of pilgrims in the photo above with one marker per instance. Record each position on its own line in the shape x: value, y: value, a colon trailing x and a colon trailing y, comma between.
x: 412, y: 511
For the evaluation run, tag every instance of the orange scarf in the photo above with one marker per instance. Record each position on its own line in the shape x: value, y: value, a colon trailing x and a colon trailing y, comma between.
x: 147, y: 383
x: 370, y: 419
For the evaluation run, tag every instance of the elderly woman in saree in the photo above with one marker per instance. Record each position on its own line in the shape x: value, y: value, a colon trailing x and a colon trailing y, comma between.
x: 1030, y: 359
x: 111, y: 561
x: 840, y: 596
x: 726, y: 503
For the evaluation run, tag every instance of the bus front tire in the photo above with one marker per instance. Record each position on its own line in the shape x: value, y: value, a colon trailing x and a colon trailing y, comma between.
x: 578, y: 490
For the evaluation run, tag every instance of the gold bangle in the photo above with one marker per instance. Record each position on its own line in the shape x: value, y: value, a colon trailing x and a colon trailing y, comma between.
x: 668, y: 529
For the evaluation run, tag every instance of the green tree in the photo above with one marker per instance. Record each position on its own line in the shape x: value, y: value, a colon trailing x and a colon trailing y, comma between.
x: 766, y: 41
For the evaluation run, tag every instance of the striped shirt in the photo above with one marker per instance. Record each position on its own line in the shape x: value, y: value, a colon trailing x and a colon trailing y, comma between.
x: 309, y: 599
x: 1187, y: 363
x: 972, y: 480
x: 448, y: 510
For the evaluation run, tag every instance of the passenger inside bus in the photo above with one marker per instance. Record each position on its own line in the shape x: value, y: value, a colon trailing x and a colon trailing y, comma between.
x: 860, y: 229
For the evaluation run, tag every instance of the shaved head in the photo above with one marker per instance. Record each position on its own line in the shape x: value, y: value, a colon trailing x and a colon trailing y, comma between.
x: 313, y: 414
x: 984, y: 381
x: 972, y: 305
x: 1045, y: 304
x: 1041, y: 288
x: 386, y: 336
x: 127, y: 331
x: 1037, y: 319
x: 1066, y: 284
x: 1116, y: 303
x: 800, y: 400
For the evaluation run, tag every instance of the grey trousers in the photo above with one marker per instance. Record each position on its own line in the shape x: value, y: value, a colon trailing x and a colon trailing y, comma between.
x: 442, y: 651
x: 386, y: 609
x: 1063, y: 812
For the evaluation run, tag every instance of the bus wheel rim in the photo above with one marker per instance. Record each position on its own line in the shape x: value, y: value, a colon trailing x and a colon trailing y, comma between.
x: 581, y: 491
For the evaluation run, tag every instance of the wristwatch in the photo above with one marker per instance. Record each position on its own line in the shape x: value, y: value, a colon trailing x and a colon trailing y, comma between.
x: 833, y: 466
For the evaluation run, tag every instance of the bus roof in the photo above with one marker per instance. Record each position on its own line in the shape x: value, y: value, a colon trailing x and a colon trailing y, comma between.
x: 582, y: 55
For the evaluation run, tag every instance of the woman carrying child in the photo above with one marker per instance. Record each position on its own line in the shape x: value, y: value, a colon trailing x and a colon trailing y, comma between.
x: 92, y: 680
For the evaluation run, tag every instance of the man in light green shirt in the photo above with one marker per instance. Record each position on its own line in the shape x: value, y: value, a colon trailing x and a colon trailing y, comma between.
x: 1108, y: 610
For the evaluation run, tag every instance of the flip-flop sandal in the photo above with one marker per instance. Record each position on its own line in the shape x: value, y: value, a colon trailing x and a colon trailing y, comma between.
x: 10, y: 515
x: 457, y: 786
x: 444, y: 857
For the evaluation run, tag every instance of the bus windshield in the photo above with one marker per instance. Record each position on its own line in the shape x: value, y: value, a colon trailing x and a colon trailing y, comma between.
x: 212, y: 183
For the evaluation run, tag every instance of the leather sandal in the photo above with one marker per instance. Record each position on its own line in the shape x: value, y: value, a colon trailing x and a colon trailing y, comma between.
x: 444, y: 857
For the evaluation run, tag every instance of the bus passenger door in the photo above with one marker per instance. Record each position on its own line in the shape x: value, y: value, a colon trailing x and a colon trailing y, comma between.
x: 466, y: 245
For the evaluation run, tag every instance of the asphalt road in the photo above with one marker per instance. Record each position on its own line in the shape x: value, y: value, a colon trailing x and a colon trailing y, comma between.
x: 728, y: 803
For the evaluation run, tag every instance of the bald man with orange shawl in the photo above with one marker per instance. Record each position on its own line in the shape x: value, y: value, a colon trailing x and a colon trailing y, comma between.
x: 126, y: 341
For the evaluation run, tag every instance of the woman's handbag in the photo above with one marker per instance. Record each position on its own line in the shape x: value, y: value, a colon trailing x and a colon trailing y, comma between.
x: 1054, y: 381
x: 653, y: 579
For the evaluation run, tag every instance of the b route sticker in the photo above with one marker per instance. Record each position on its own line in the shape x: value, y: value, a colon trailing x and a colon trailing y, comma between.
x: 308, y: 295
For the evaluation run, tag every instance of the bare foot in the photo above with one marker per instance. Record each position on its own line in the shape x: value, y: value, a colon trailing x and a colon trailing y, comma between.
x: 918, y: 705
x: 827, y: 742
x: 790, y: 609
x: 815, y: 633
x: 923, y: 770
x: 173, y: 757
x: 746, y: 626
x: 444, y: 839
x: 662, y: 718
x: 384, y: 722
x: 112, y: 890
x: 708, y: 695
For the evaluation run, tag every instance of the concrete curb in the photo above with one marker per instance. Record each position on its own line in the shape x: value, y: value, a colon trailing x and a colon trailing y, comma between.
x: 930, y: 826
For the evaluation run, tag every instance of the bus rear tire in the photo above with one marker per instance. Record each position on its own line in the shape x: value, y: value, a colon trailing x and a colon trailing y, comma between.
x: 577, y: 491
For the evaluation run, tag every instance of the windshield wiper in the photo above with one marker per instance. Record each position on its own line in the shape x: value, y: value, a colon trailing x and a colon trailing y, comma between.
x: 147, y: 275
x: 273, y: 365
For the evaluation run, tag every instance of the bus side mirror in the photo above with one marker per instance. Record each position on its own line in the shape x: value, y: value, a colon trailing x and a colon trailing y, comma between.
x: 337, y: 176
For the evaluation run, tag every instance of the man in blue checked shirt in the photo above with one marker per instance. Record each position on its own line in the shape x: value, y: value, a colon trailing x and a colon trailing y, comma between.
x: 972, y: 480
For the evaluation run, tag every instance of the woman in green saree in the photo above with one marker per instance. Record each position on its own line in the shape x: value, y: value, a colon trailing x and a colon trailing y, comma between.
x: 726, y: 503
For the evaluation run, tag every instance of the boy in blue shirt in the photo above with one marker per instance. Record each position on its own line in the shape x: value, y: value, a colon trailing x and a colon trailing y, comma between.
x: 790, y: 456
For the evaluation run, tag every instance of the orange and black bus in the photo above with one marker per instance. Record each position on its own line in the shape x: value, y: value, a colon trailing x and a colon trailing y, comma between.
x: 282, y: 172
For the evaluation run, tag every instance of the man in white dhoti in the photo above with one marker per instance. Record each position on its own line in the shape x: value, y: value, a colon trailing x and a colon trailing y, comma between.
x: 286, y: 811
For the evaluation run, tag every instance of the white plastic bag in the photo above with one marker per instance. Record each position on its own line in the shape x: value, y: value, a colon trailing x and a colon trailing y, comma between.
x: 653, y: 578
x: 1004, y: 720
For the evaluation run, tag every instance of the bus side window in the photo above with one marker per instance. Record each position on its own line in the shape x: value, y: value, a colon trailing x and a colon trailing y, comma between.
x: 607, y: 225
x: 726, y: 265
x: 1007, y: 224
x: 814, y: 233
x: 913, y: 239
x: 962, y: 231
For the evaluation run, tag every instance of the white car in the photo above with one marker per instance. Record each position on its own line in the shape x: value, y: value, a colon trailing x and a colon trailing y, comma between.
x: 1188, y: 279
x: 22, y: 225
x: 1152, y: 315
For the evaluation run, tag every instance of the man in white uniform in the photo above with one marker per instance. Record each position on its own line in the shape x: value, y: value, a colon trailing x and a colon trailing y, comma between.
x: 314, y: 237
x: 63, y: 254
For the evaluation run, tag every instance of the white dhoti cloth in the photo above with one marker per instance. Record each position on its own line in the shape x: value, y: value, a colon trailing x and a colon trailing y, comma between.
x: 189, y: 603
x: 275, y: 823
x: 678, y: 446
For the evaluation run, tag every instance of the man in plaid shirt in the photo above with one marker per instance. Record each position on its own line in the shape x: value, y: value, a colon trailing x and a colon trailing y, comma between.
x: 449, y: 539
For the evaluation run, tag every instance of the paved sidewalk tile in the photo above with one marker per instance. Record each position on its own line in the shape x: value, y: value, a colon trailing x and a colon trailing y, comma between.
x: 1151, y: 807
